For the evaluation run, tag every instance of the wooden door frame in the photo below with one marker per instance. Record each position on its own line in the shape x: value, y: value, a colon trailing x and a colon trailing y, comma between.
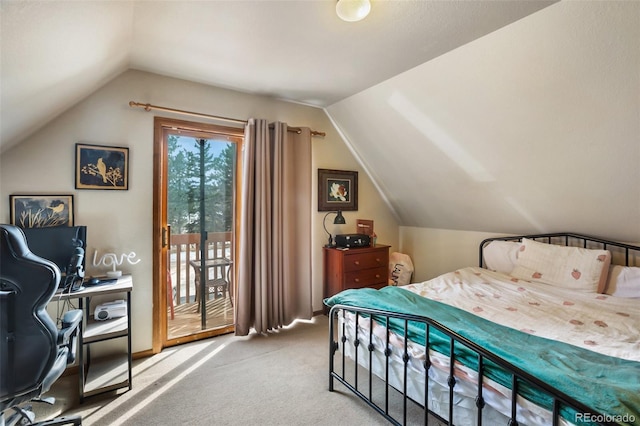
x: 161, y: 232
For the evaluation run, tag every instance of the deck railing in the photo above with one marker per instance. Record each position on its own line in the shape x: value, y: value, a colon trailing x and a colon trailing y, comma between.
x: 186, y: 247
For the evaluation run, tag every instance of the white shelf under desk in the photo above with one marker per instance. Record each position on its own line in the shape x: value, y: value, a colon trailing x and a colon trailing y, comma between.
x: 106, y: 374
x: 103, y: 373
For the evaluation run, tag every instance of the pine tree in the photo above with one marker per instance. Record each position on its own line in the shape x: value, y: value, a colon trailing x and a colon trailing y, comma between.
x: 184, y: 185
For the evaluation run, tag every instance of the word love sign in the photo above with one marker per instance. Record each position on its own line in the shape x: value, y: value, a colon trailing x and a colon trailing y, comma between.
x: 111, y: 260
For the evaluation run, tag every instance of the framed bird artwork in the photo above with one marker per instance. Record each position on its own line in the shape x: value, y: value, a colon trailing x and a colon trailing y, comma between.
x: 41, y: 211
x: 102, y: 167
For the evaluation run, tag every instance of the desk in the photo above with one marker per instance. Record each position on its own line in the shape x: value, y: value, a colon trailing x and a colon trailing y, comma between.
x: 217, y: 281
x: 105, y: 373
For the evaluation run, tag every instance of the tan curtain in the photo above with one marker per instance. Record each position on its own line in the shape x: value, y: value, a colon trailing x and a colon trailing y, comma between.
x: 274, y: 271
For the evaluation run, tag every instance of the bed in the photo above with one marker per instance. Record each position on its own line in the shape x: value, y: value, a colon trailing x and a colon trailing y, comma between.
x: 545, y: 331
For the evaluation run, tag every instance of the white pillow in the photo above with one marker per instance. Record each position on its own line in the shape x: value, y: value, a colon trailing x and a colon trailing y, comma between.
x: 400, y: 269
x: 572, y: 268
x: 623, y: 281
x: 501, y: 256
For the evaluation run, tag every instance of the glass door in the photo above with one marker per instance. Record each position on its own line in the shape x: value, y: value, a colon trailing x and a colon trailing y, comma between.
x: 201, y: 180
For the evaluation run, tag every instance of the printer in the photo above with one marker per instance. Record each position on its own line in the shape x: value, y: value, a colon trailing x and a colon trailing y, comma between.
x: 353, y: 240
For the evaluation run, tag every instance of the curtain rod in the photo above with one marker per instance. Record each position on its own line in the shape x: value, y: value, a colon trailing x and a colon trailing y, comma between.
x: 149, y: 107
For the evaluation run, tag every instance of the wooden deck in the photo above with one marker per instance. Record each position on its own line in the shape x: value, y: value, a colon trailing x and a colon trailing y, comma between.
x: 187, y: 321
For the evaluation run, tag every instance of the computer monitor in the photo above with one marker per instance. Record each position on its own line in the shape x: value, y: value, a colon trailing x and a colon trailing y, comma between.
x: 58, y: 244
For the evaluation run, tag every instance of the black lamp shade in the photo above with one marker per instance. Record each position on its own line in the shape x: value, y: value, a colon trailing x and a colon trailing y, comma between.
x: 339, y: 220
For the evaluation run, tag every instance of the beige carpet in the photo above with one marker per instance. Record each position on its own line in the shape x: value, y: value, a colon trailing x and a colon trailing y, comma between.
x: 276, y: 379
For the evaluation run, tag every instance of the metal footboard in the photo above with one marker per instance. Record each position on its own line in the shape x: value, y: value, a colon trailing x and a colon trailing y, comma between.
x: 364, y: 348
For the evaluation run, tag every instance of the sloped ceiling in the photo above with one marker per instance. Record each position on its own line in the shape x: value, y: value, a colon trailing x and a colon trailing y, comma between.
x: 498, y: 116
x: 533, y: 128
x: 55, y: 53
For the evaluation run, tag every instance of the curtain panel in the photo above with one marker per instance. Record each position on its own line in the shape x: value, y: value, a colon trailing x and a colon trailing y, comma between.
x: 274, y: 270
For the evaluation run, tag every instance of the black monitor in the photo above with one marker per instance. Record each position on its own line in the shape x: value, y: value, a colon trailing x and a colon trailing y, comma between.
x: 58, y: 244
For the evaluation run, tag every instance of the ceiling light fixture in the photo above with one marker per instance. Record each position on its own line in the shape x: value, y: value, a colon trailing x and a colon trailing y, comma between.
x: 353, y: 10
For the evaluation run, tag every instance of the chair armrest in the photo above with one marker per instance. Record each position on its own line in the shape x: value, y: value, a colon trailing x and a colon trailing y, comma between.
x: 70, y: 325
x: 68, y: 334
x: 72, y: 317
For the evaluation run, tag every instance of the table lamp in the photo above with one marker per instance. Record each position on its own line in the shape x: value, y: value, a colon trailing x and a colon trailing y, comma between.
x: 339, y: 220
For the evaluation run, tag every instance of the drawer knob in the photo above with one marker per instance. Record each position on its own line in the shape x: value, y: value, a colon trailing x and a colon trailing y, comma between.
x: 356, y: 280
x: 356, y: 262
x: 377, y: 275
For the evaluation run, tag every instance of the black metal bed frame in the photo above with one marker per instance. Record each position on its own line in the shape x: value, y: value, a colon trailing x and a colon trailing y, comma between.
x: 568, y: 237
x: 517, y: 375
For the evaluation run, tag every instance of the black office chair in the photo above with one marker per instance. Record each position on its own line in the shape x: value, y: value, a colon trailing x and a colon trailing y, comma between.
x: 33, y: 351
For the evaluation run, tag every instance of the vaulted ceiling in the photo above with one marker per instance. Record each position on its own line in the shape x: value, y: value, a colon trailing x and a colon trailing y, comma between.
x: 532, y: 128
x: 503, y: 116
x: 55, y: 53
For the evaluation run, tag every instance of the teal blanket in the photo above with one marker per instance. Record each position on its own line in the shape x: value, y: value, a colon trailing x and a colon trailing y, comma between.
x: 610, y: 386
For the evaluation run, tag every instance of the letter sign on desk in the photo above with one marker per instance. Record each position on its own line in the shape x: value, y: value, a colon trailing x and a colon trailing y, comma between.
x: 111, y: 259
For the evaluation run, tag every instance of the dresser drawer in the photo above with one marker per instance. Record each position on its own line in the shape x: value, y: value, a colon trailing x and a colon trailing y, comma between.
x: 354, y: 268
x: 366, y: 277
x: 359, y: 261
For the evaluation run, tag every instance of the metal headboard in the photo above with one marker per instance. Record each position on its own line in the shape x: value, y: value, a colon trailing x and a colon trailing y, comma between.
x: 621, y: 253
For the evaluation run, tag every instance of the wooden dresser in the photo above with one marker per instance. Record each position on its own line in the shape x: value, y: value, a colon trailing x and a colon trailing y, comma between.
x: 355, y: 268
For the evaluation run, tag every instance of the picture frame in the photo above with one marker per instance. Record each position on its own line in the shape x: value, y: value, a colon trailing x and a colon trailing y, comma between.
x: 102, y: 167
x: 41, y: 211
x: 337, y: 190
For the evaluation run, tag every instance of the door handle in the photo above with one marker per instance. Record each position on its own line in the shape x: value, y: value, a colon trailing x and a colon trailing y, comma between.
x: 165, y: 236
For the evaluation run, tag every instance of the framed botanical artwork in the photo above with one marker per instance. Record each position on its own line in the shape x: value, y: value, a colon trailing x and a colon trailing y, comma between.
x: 337, y: 190
x: 41, y: 211
x: 102, y: 167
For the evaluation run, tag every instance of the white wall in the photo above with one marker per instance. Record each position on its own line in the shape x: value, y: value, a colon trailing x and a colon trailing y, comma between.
x: 532, y: 128
x: 121, y: 221
x: 436, y: 251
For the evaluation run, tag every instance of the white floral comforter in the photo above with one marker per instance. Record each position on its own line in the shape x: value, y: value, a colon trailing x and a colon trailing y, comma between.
x: 598, y: 322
